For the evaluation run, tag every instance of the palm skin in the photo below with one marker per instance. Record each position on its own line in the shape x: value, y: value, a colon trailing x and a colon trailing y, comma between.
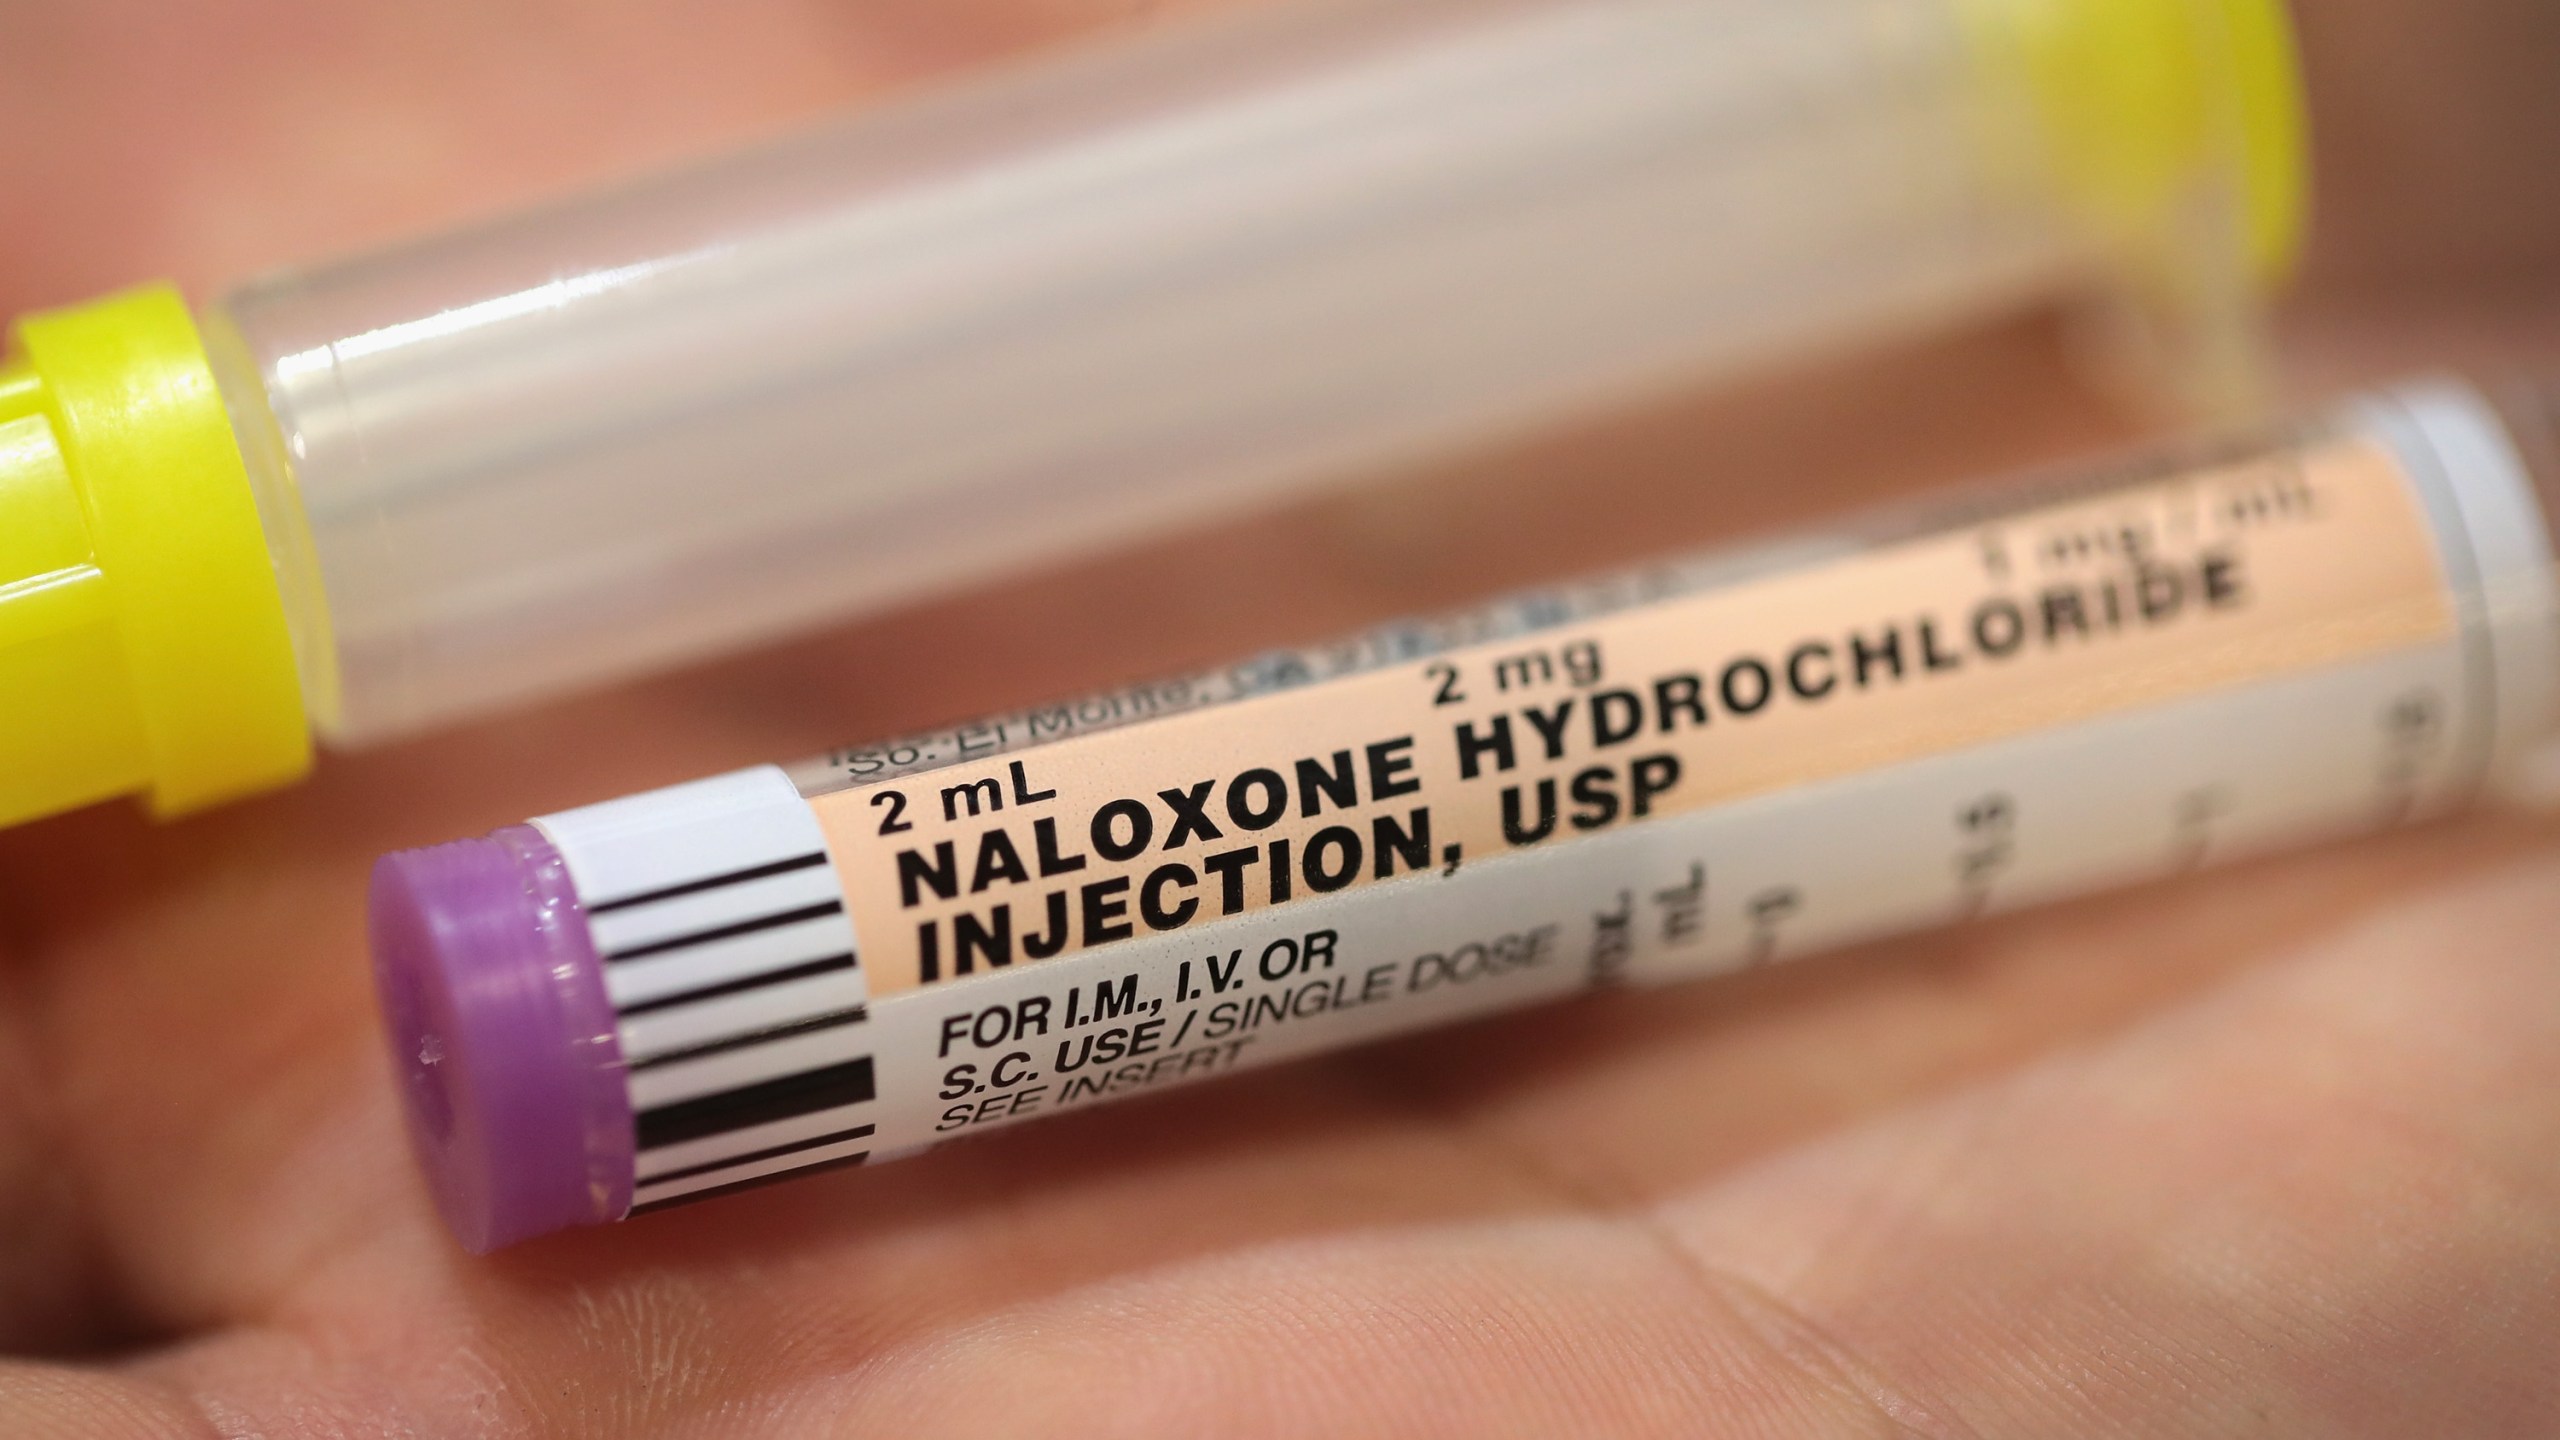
x: 2273, y: 1150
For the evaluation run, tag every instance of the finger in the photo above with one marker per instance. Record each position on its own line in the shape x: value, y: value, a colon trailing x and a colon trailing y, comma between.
x: 208, y: 143
x: 2431, y: 128
x: 2325, y: 1202
x: 50, y: 1296
x: 59, y: 1402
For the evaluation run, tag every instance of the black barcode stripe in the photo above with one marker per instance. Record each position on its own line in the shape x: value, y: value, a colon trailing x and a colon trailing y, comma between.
x: 724, y: 932
x: 757, y: 981
x: 751, y: 1182
x: 713, y: 882
x: 814, y: 1142
x: 782, y: 1031
x: 762, y: 1103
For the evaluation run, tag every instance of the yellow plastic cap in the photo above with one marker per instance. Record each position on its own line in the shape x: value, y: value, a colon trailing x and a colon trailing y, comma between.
x: 2151, y: 111
x: 142, y: 640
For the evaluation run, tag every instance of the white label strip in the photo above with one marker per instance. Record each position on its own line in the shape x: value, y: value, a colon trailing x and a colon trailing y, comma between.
x: 733, y: 970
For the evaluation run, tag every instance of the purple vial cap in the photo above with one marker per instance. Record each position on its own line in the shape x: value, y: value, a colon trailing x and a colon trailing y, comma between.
x: 503, y: 1037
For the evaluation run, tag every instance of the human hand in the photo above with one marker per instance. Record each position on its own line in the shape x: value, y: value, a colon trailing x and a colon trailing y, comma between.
x: 2274, y: 1150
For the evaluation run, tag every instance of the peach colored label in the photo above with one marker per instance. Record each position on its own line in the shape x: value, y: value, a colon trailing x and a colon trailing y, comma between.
x: 2037, y: 618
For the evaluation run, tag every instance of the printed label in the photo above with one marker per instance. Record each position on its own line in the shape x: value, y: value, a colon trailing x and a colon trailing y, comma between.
x: 2021, y: 623
x: 2147, y: 792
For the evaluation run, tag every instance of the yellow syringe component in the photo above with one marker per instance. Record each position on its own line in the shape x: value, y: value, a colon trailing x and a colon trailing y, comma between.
x: 143, y: 646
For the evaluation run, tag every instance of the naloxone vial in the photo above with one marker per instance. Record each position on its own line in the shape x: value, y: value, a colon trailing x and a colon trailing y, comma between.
x: 1670, y: 774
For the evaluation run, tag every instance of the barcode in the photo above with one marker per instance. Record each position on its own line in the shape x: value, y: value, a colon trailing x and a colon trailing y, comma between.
x: 736, y: 984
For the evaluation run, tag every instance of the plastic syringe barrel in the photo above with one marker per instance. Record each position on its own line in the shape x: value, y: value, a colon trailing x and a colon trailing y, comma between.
x: 1089, y: 298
